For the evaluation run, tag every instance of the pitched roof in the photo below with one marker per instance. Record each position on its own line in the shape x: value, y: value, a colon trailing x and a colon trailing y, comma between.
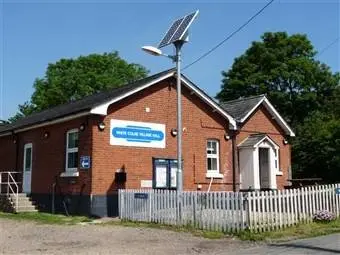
x: 98, y: 103
x: 239, y: 108
x: 80, y: 106
x: 255, y: 139
x: 252, y: 140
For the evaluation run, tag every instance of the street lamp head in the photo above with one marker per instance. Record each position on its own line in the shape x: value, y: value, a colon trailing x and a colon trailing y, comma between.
x: 152, y: 50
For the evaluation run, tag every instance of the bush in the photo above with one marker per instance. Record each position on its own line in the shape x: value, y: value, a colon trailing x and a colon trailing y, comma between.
x: 323, y: 216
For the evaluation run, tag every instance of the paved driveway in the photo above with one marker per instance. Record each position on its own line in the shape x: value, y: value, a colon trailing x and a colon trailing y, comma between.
x: 22, y: 237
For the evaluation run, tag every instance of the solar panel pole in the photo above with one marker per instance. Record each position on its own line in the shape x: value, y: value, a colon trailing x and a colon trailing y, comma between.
x: 177, y: 35
x: 178, y: 46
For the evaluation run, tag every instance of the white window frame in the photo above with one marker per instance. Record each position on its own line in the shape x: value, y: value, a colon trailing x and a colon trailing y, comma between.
x: 70, y: 150
x: 216, y: 172
x: 277, y: 161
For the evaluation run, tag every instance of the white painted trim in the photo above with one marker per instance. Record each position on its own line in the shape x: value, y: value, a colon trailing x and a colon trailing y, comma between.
x: 281, y: 120
x: 214, y: 156
x: 231, y: 120
x: 70, y: 174
x: 214, y: 175
x: 5, y: 134
x: 27, y: 175
x: 47, y: 123
x: 252, y: 110
x: 259, y: 142
x: 28, y: 146
x: 102, y: 108
x: 270, y: 141
x: 70, y: 150
x: 274, y: 112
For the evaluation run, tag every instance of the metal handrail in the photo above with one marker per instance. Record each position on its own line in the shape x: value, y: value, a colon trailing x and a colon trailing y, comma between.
x: 10, y: 181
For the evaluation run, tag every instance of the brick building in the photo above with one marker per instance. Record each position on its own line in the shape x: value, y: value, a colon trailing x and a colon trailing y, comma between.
x: 86, y: 150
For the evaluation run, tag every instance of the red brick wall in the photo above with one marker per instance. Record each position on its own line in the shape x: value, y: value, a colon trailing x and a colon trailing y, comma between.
x: 49, y: 156
x: 7, y: 153
x: 199, y: 122
x: 261, y: 122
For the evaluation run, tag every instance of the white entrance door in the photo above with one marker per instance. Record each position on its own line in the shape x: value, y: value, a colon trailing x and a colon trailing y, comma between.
x: 27, y: 168
x: 264, y: 164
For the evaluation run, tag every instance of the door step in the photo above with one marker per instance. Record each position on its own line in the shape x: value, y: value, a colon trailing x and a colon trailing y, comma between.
x: 25, y: 204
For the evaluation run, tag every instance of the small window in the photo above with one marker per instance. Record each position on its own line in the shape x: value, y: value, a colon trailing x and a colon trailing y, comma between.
x: 213, y: 156
x: 72, y: 138
x: 276, y: 160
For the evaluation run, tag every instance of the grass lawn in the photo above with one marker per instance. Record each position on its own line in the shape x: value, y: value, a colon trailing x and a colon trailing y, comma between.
x: 45, y: 218
x: 296, y: 232
x: 291, y: 233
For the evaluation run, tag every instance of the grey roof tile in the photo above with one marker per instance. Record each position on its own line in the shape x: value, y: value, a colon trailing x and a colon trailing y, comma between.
x: 239, y: 108
x: 79, y: 106
x: 252, y: 140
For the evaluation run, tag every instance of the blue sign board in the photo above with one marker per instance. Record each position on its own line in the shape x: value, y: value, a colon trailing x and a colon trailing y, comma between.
x: 137, y: 134
x: 140, y: 134
x: 85, y: 162
x: 337, y: 191
x: 141, y: 195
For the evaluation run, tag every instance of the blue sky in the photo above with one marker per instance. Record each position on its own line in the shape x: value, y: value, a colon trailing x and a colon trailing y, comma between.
x: 35, y: 33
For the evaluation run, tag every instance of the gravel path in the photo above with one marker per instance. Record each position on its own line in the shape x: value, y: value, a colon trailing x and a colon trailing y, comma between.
x: 24, y: 237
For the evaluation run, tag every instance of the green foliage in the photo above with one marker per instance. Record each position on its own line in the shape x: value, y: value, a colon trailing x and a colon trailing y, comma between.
x: 303, y: 90
x: 72, y: 79
x: 283, y: 68
x: 295, y: 232
x: 317, y: 146
x: 45, y: 218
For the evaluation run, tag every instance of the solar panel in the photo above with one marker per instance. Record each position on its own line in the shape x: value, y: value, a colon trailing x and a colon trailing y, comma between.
x: 178, y: 30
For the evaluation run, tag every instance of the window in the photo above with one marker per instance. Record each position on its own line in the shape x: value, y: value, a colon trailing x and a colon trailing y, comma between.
x: 276, y: 161
x: 72, y: 138
x: 28, y: 157
x: 213, y: 157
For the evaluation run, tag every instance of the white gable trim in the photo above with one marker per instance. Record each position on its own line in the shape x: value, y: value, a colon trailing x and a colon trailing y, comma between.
x: 52, y: 122
x: 232, y: 122
x: 278, y: 117
x: 5, y: 134
x: 267, y: 138
x: 258, y: 143
x: 252, y: 110
x: 272, y: 111
x: 102, y: 108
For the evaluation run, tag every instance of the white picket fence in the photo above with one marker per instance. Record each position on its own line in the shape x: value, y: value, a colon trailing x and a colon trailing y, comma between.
x: 229, y: 211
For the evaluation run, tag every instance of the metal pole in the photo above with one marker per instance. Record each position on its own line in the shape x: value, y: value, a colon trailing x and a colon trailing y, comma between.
x: 179, y: 178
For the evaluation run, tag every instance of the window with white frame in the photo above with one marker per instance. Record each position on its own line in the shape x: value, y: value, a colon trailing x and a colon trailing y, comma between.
x: 276, y: 160
x: 213, y: 156
x: 72, y: 138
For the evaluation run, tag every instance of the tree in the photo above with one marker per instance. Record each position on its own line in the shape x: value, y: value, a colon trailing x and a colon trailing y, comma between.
x: 72, y: 79
x: 317, y: 147
x: 282, y: 67
x: 303, y: 90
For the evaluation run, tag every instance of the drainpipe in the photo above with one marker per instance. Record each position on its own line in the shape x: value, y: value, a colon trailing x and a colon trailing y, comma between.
x: 233, y: 142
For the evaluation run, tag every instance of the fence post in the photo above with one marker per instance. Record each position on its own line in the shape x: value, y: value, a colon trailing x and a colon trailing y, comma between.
x: 246, y: 203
